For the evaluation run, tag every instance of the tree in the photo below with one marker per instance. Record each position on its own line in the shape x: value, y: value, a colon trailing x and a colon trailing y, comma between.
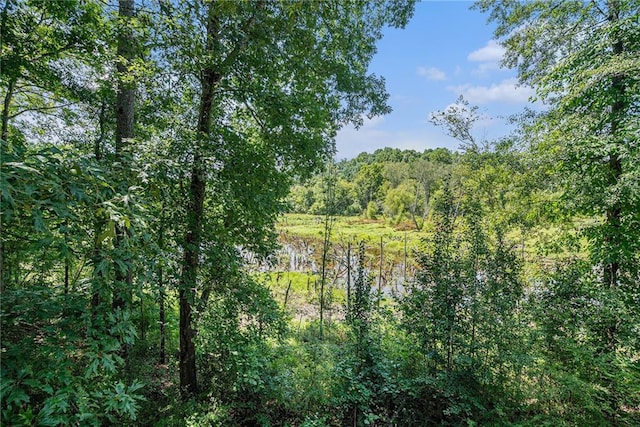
x: 329, y: 181
x: 462, y: 308
x: 53, y: 189
x: 398, y: 200
x: 458, y: 121
x: 37, y: 38
x: 583, y: 60
x: 368, y: 181
x: 427, y: 175
x: 124, y: 113
x: 274, y: 82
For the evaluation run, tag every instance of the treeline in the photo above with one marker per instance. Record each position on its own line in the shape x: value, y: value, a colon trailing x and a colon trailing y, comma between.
x: 391, y: 182
x: 399, y: 185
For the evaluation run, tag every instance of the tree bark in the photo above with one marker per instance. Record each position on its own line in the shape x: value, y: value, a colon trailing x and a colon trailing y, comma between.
x: 195, y: 212
x: 161, y: 292
x: 99, y: 222
x: 349, y: 281
x: 210, y: 77
x: 4, y: 133
x: 5, y: 109
x: 125, y: 100
x: 614, y: 212
x: 125, y: 104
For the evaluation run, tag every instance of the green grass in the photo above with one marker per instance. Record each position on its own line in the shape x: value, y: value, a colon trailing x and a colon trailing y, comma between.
x: 299, y: 288
x: 543, y: 247
x: 353, y: 229
x: 346, y: 228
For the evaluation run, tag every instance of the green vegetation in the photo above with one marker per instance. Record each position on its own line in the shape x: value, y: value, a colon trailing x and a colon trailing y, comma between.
x: 177, y: 248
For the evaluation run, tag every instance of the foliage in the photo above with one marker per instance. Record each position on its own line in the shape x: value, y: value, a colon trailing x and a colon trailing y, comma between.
x: 462, y: 310
x: 396, y: 183
x: 582, y: 60
x: 57, y: 367
x: 126, y: 253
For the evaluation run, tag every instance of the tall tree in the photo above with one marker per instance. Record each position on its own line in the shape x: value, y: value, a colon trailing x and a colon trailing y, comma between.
x: 274, y: 81
x: 583, y: 58
x: 125, y: 104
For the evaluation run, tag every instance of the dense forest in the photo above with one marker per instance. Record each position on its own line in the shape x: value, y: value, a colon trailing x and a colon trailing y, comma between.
x: 178, y: 245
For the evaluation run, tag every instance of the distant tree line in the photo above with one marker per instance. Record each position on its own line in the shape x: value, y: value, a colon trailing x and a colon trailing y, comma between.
x: 389, y: 182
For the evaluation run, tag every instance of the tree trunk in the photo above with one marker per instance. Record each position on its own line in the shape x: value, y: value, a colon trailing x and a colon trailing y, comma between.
x: 380, y: 274
x: 161, y: 292
x: 7, y: 97
x: 162, y: 320
x: 4, y: 135
x: 5, y: 109
x: 325, y: 252
x: 349, y: 281
x: 125, y: 101
x: 99, y: 222
x: 195, y: 213
x: 614, y: 212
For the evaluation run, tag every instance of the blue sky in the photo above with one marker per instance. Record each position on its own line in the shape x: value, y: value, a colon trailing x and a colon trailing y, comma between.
x: 445, y: 51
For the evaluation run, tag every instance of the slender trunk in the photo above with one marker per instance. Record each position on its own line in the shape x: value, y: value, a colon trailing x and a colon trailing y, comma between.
x: 5, y: 109
x: 325, y: 251
x: 143, y: 328
x: 4, y: 132
x: 195, y: 213
x: 98, y: 275
x: 450, y: 349
x: 210, y: 76
x: 404, y: 263
x: 161, y: 296
x: 4, y: 135
x: 102, y: 124
x: 162, y: 320
x: 1, y: 258
x: 286, y: 294
x: 414, y: 209
x: 188, y: 279
x: 125, y: 101
x: 427, y: 198
x: 7, y: 97
x: 99, y: 222
x: 349, y: 281
x: 614, y: 212
x: 66, y: 276
x: 380, y: 272
x: 328, y: 223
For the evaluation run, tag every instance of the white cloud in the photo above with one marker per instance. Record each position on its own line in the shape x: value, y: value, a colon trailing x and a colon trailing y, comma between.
x: 431, y: 73
x: 507, y: 91
x: 488, y: 58
x: 492, y: 52
x: 484, y: 68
